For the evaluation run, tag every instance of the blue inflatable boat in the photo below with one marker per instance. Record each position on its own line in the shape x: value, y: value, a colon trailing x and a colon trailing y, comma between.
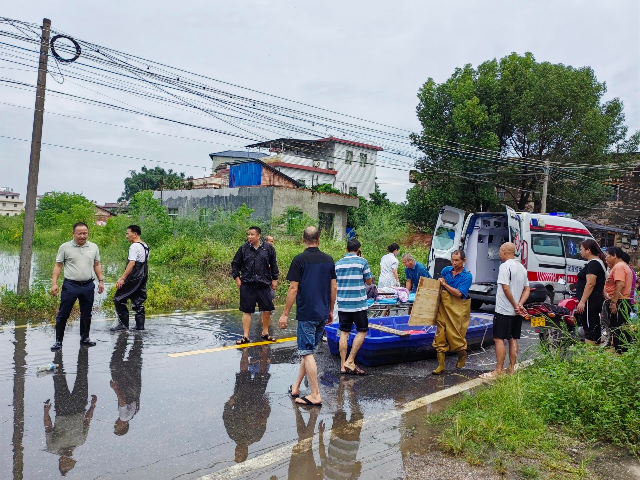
x: 382, y: 348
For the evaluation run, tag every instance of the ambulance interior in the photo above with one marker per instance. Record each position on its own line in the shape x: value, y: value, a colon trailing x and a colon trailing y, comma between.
x: 482, y: 245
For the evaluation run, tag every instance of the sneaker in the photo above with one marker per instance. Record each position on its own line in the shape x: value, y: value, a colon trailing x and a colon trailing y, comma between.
x: 87, y: 342
x: 56, y: 346
x: 118, y: 327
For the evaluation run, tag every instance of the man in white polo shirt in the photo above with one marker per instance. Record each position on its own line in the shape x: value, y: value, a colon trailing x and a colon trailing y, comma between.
x: 81, y: 260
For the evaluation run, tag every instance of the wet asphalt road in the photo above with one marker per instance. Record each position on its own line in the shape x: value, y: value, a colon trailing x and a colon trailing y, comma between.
x: 126, y: 409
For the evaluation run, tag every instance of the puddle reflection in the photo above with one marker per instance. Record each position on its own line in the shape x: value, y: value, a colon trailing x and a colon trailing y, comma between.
x: 338, y: 461
x: 126, y: 380
x: 72, y: 422
x: 247, y: 411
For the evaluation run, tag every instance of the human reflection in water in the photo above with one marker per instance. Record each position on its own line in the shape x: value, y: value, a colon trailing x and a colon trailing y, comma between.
x: 72, y: 422
x: 246, y: 412
x: 339, y: 460
x: 126, y: 380
x: 345, y: 437
x: 302, y: 465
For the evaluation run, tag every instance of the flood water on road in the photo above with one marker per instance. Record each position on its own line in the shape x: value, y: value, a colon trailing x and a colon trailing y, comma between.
x: 127, y: 409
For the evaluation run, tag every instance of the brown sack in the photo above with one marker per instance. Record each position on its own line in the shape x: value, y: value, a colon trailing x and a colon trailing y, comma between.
x: 425, y: 305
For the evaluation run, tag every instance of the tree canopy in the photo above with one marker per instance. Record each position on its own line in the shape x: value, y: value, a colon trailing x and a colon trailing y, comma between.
x: 153, y: 179
x: 495, y: 125
x: 57, y: 208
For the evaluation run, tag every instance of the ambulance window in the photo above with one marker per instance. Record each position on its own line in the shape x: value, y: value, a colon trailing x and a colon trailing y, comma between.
x: 547, y: 245
x: 572, y: 246
x: 443, y: 239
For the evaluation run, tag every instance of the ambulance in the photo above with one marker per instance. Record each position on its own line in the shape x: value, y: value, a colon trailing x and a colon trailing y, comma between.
x: 547, y: 245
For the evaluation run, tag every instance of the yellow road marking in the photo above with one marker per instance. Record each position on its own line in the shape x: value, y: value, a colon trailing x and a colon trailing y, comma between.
x: 230, y: 347
x: 111, y: 319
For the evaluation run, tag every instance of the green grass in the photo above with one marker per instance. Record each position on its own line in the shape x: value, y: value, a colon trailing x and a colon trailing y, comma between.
x: 586, y: 395
x: 38, y: 303
x: 190, y: 262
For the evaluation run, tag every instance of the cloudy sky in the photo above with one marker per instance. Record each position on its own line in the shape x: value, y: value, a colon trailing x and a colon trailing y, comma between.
x: 362, y: 58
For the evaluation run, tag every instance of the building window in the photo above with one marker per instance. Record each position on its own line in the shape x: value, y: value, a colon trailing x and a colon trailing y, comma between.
x: 4, y: 204
x: 349, y: 158
x: 353, y: 191
x: 173, y: 213
x: 204, y: 216
x: 363, y: 159
x: 294, y: 219
x: 616, y: 192
x: 15, y: 205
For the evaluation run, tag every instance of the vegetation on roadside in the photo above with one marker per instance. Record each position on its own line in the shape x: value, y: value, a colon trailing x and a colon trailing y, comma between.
x: 535, y: 417
x: 190, y: 261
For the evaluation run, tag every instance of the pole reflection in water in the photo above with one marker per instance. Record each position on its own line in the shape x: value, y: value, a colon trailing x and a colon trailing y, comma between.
x: 339, y: 460
x: 20, y: 364
x: 247, y: 411
x: 72, y: 422
x: 126, y: 380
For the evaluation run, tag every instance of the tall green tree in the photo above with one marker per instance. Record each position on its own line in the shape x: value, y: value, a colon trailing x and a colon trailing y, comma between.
x: 59, y: 208
x: 525, y: 112
x: 153, y: 179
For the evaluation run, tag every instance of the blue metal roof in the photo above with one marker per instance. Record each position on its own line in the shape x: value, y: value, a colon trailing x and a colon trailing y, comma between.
x: 239, y: 154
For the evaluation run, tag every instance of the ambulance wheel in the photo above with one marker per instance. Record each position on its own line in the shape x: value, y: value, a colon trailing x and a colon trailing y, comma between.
x: 476, y: 304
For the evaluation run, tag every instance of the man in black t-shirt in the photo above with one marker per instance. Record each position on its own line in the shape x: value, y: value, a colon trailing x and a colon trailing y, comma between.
x: 313, y: 287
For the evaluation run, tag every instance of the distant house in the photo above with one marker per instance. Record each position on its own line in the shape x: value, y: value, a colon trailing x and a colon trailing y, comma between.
x: 10, y: 203
x: 344, y: 164
x: 103, y: 215
x: 221, y: 161
x: 113, y: 207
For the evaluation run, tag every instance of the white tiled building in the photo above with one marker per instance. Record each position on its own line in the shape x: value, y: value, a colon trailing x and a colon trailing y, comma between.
x: 346, y: 165
x: 10, y: 203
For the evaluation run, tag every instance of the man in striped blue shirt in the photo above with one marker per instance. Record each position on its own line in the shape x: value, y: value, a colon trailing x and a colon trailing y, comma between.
x: 352, y: 273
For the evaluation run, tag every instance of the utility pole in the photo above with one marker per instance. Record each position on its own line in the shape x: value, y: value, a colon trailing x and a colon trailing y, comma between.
x: 545, y: 185
x: 34, y: 165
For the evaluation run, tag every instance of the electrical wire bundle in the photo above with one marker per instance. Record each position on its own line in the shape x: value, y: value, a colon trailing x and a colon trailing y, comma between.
x: 130, y: 84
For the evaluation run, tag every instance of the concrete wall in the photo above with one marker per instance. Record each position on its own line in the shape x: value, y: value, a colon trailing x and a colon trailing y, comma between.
x: 189, y: 202
x: 284, y: 198
x: 313, y: 203
x: 265, y: 202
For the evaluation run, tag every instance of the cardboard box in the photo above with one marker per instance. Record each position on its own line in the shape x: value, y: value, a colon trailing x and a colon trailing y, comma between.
x: 425, y: 305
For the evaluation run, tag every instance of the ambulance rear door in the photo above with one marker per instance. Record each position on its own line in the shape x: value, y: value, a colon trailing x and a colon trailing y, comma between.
x: 446, y: 239
x: 515, y: 230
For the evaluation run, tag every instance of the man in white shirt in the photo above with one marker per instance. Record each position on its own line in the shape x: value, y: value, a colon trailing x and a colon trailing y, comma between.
x: 507, y: 321
x: 133, y: 283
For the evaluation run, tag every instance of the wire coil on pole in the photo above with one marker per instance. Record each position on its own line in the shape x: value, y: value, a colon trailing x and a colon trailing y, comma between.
x: 62, y: 59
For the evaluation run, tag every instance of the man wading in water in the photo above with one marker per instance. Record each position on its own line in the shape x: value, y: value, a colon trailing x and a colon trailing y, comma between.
x: 132, y: 285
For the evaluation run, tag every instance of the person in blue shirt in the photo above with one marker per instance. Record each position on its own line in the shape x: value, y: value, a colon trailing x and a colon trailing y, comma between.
x: 413, y: 271
x: 454, y: 312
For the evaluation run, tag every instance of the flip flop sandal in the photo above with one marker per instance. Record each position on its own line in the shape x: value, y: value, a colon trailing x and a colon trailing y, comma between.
x: 242, y: 341
x: 268, y: 338
x: 355, y: 371
x: 308, y: 403
x: 291, y: 394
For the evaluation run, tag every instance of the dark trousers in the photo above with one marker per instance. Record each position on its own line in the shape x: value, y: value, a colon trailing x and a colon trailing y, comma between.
x: 71, y: 292
x: 137, y: 297
x: 617, y: 322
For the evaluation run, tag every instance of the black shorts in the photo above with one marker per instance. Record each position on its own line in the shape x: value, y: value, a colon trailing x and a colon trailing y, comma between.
x: 506, y: 327
x: 252, y: 293
x: 347, y: 319
x: 589, y: 320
